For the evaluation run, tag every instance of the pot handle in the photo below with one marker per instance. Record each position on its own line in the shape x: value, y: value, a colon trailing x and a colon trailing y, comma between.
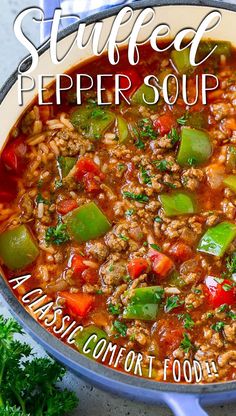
x: 184, y: 404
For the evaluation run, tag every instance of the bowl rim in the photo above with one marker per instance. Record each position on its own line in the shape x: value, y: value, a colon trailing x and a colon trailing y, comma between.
x: 75, y: 361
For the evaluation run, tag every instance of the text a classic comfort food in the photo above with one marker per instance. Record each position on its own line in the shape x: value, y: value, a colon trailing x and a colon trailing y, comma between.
x: 124, y: 216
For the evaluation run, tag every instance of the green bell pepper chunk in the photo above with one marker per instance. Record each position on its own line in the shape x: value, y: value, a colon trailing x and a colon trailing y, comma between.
x: 195, y: 147
x: 82, y: 337
x: 18, y: 247
x: 181, y: 61
x: 223, y: 48
x: 92, y: 121
x: 230, y: 181
x: 66, y: 164
x: 177, y: 203
x: 146, y: 312
x: 143, y: 303
x: 86, y: 222
x: 217, y: 239
x: 231, y: 158
x: 147, y: 92
x: 122, y: 129
x: 176, y: 280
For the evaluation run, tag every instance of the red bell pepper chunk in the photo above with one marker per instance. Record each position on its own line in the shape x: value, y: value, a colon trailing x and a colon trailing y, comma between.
x: 78, y: 303
x: 44, y: 113
x: 164, y: 124
x: 134, y: 79
x: 77, y: 264
x: 63, y: 207
x: 136, y: 267
x: 14, y: 154
x: 220, y: 292
x: 86, y: 165
x: 162, y: 265
x: 180, y: 252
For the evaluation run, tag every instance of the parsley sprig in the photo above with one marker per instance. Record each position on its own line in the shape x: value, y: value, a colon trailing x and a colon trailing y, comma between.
x: 142, y: 198
x: 29, y: 387
x: 57, y: 235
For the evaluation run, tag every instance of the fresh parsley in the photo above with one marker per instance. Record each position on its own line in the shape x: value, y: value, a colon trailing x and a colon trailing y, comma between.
x: 142, y: 198
x: 120, y: 327
x: 29, y: 386
x: 114, y: 309
x: 186, y: 344
x: 57, y: 235
x: 155, y: 247
x: 187, y: 320
x: 146, y: 178
x: 173, y: 302
x: 218, y: 326
x: 129, y: 212
x: 163, y: 165
x: 173, y: 136
x: 157, y: 219
x: 41, y: 199
x: 183, y: 120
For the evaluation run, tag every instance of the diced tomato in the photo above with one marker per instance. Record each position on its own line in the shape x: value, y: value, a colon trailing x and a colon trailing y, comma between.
x: 77, y: 264
x: 164, y: 124
x: 44, y: 113
x: 92, y: 183
x: 90, y: 276
x: 136, y: 267
x: 135, y: 82
x: 181, y: 252
x: 63, y: 207
x: 170, y: 335
x: 13, y: 156
x: 78, y: 303
x: 162, y: 265
x: 86, y: 165
x: 220, y: 292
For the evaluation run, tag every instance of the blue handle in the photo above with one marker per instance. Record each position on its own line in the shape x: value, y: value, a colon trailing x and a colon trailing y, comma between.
x: 184, y: 404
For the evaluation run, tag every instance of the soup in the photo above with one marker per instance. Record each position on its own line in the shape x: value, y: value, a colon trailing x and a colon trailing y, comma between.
x: 123, y: 218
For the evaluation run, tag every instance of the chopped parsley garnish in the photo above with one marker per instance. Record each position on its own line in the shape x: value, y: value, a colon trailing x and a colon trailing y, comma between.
x: 197, y: 291
x: 158, y: 219
x: 187, y: 320
x: 218, y: 326
x: 58, y: 184
x: 129, y: 212
x: 41, y: 199
x: 146, y: 178
x: 231, y: 264
x: 142, y: 198
x: 182, y: 120
x: 155, y: 247
x: 121, y: 166
x: 173, y: 302
x: 114, y: 309
x: 120, y: 327
x: 162, y: 165
x: 173, y: 136
x: 57, y: 235
x: 186, y: 344
x: 231, y: 315
x: 147, y: 130
x: 123, y: 237
x: 170, y: 185
x: 222, y: 308
x: 139, y: 143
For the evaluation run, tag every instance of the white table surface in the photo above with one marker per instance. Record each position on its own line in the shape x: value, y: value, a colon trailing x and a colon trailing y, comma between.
x: 92, y: 401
